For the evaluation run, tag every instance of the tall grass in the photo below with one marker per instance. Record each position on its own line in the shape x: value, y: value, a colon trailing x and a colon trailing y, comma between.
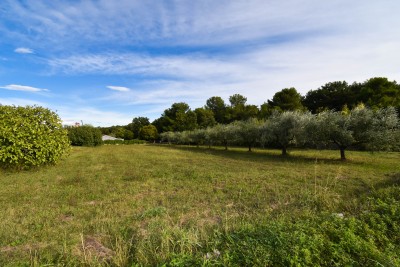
x: 155, y: 204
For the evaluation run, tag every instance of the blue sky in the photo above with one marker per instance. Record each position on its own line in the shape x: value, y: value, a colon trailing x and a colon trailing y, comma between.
x: 105, y: 62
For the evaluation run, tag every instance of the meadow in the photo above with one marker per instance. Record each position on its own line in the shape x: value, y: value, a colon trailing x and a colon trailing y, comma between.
x: 153, y: 205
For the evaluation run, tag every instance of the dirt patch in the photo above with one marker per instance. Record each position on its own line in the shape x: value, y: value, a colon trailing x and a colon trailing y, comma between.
x: 93, y: 248
x: 66, y: 217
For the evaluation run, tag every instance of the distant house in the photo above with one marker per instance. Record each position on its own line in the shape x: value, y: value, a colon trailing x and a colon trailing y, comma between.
x: 107, y: 137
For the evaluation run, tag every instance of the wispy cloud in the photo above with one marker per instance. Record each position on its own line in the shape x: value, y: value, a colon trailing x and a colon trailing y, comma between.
x: 166, y: 23
x: 118, y: 88
x: 24, y: 88
x: 23, y: 50
x: 93, y: 116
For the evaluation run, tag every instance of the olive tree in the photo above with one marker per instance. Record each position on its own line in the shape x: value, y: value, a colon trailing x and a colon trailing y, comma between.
x: 198, y: 136
x: 168, y: 137
x: 375, y: 130
x: 31, y: 136
x: 248, y: 132
x: 223, y: 134
x: 286, y: 129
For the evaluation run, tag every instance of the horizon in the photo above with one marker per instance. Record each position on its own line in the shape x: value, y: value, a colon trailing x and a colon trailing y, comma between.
x: 105, y: 63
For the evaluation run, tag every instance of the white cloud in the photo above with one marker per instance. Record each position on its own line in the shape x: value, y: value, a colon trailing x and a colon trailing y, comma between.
x: 93, y: 116
x: 118, y: 88
x: 16, y: 87
x: 196, y: 22
x: 23, y: 50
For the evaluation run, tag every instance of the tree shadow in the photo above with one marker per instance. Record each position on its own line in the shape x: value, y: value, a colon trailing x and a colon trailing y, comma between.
x: 258, y: 154
x: 392, y: 180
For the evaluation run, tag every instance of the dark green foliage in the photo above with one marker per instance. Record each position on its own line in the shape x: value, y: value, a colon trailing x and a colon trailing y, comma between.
x: 217, y: 105
x: 379, y: 92
x: 287, y: 99
x: 238, y: 110
x: 332, y: 96
x: 237, y: 100
x: 137, y: 124
x: 84, y: 136
x: 123, y: 133
x: 179, y: 117
x: 376, y: 92
x: 148, y: 133
x: 30, y: 136
x: 205, y: 117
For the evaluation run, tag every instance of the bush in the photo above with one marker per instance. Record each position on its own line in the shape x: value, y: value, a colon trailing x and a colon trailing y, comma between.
x: 148, y: 133
x: 30, y: 136
x: 85, y: 136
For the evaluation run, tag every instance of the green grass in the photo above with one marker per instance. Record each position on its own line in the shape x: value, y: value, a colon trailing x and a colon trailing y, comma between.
x: 157, y: 204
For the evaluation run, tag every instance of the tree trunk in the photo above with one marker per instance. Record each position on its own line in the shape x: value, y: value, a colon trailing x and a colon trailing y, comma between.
x: 342, y: 155
x: 226, y: 145
x: 284, y: 152
x: 249, y: 148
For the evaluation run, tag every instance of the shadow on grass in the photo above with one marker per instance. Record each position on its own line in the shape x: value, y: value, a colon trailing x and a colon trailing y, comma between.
x: 258, y: 154
x: 392, y: 180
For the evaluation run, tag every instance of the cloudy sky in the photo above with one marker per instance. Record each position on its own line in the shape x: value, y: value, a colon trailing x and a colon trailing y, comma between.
x: 105, y: 62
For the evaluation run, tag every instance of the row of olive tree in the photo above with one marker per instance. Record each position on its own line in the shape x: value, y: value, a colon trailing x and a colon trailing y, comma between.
x: 371, y: 129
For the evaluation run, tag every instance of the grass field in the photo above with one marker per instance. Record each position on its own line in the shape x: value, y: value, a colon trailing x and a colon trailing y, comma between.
x: 180, y: 206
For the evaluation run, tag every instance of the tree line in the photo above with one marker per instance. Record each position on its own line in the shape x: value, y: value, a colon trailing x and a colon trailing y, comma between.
x: 360, y: 127
x: 374, y: 93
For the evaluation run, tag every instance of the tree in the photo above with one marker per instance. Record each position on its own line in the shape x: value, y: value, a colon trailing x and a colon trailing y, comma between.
x: 266, y: 111
x: 248, y: 132
x: 222, y: 134
x: 136, y: 124
x: 379, y: 92
x: 239, y: 110
x: 31, y: 136
x: 217, y: 105
x: 122, y: 132
x: 237, y: 100
x: 178, y: 118
x: 361, y: 126
x: 331, y: 96
x: 286, y: 99
x: 148, y: 133
x: 198, y: 136
x: 85, y: 135
x: 286, y: 129
x: 205, y: 117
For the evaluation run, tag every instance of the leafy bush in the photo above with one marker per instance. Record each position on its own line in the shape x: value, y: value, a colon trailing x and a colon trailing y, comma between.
x: 148, y: 132
x: 85, y: 136
x: 30, y: 136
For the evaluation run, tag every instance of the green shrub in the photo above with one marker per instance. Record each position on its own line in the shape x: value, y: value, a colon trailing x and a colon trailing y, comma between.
x: 30, y: 136
x: 85, y: 136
